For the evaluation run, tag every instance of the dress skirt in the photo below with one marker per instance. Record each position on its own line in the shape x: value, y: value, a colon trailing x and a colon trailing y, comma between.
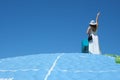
x: 94, y: 45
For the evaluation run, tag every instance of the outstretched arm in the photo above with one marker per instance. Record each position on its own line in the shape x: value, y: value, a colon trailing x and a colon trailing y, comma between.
x: 98, y: 14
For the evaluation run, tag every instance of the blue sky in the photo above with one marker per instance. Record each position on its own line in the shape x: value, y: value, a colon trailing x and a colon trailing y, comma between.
x: 56, y: 26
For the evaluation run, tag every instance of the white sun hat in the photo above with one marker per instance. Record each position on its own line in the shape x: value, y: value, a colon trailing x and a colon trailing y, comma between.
x: 92, y: 22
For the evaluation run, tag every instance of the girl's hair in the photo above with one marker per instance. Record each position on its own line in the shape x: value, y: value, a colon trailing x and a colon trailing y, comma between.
x: 93, y: 27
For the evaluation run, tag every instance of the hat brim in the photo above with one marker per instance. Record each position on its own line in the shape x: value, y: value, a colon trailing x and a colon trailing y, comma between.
x: 93, y: 24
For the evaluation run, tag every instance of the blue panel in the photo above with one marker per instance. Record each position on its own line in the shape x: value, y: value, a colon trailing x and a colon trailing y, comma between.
x: 85, y: 46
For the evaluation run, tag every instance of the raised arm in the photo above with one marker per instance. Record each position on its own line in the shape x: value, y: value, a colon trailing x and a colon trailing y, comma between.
x: 98, y: 14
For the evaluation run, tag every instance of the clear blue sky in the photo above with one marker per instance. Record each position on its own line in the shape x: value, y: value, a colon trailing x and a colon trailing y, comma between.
x: 56, y: 26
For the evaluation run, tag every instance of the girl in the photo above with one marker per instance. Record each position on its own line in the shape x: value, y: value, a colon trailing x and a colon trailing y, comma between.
x: 93, y: 37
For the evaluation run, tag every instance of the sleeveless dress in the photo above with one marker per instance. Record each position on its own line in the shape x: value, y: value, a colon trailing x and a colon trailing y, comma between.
x: 94, y: 44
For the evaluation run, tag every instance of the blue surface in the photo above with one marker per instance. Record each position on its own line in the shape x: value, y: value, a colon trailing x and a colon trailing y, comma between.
x: 60, y: 66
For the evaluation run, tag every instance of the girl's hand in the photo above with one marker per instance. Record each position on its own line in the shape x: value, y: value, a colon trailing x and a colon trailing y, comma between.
x: 98, y: 13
